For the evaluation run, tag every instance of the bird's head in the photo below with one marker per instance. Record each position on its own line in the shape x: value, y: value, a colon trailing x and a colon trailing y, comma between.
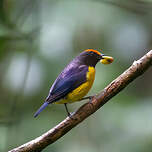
x: 91, y: 57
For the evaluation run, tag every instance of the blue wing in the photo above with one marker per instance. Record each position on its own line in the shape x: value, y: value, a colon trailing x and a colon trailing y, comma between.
x: 68, y: 80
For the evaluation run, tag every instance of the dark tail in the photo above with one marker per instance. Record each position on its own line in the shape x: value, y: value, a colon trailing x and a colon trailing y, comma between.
x: 41, y: 108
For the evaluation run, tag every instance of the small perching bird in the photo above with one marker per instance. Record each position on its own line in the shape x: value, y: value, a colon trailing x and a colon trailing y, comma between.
x: 75, y: 81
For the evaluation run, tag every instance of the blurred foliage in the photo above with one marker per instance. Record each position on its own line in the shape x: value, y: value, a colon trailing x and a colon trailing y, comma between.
x: 38, y: 38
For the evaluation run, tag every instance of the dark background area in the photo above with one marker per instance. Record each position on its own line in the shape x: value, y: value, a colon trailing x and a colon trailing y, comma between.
x: 37, y: 40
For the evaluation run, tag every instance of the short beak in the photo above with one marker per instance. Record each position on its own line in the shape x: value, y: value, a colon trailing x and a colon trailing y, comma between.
x: 106, y: 59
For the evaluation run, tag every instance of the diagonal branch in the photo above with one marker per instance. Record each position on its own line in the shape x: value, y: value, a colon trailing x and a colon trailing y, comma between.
x: 135, y: 70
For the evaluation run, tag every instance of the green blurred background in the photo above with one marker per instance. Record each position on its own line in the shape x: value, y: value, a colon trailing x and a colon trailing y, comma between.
x: 38, y: 38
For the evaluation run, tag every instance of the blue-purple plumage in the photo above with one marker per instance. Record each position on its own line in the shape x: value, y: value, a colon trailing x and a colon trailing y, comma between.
x: 74, y: 75
x: 71, y: 78
x: 41, y: 108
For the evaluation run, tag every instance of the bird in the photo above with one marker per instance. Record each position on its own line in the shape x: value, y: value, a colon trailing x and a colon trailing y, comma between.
x: 75, y: 81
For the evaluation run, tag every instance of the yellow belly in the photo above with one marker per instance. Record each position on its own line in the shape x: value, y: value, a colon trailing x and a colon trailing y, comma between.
x: 82, y: 90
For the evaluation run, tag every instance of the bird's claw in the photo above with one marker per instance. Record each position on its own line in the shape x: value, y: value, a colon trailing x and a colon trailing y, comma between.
x: 90, y: 99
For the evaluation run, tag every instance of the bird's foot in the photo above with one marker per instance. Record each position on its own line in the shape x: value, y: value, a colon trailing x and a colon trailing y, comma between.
x: 69, y: 114
x: 90, y: 99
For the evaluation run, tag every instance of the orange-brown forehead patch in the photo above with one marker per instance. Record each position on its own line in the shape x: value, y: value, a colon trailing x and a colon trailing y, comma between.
x: 91, y: 50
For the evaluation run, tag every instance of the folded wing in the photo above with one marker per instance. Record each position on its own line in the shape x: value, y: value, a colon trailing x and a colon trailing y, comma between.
x: 72, y: 79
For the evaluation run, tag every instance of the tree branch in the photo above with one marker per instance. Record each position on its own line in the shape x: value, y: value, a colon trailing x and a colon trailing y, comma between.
x: 135, y: 70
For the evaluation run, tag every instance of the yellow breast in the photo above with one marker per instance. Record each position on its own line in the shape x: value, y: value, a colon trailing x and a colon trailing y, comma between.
x: 82, y: 90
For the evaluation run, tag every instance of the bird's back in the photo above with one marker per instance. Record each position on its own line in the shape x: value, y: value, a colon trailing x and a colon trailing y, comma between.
x: 73, y: 76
